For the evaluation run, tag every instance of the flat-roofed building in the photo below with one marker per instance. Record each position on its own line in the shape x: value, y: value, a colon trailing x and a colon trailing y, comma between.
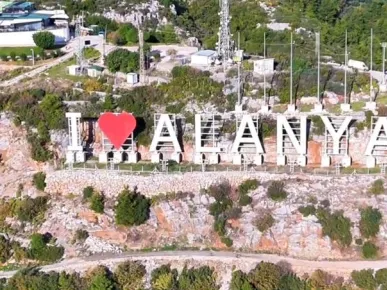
x: 19, y: 21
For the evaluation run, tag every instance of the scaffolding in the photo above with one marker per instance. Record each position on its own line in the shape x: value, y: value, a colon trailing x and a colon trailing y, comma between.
x: 379, y: 150
x: 208, y: 131
x: 328, y: 146
x: 291, y: 140
x: 166, y: 145
x: 126, y: 153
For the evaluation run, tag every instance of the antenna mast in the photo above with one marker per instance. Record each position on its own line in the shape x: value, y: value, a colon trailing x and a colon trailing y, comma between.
x: 79, y: 53
x: 225, y: 43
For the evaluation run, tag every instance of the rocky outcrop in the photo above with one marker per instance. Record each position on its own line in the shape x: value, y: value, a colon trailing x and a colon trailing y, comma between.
x: 187, y: 221
x: 16, y: 164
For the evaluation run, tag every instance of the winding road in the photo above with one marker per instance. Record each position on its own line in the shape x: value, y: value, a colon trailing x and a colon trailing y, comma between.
x: 343, y: 268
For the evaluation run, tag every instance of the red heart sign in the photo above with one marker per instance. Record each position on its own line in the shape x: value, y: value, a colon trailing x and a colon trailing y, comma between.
x: 117, y: 128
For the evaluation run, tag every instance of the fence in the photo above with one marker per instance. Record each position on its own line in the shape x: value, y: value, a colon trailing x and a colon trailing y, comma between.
x: 164, y: 168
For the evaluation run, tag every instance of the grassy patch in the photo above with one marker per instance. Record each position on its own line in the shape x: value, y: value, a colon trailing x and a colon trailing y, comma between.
x: 306, y: 108
x: 60, y: 71
x: 19, y: 50
x: 358, y: 106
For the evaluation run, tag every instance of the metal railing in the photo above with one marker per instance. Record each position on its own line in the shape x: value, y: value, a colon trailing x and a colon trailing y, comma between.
x: 149, y: 168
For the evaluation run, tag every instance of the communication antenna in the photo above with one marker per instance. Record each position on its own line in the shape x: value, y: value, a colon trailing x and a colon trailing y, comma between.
x: 79, y: 53
x: 225, y: 43
x: 141, y: 52
x: 291, y: 106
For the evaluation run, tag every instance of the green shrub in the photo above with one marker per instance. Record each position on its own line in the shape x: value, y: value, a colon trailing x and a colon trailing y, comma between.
x: 41, y: 251
x: 377, y: 187
x: 359, y: 242
x: 264, y: 222
x: 245, y: 200
x: 30, y: 209
x: 276, y: 191
x: 23, y: 57
x: 39, y: 180
x: 4, y: 57
x: 381, y: 276
x: 88, y: 193
x: 5, y: 249
x: 335, y: 226
x: 364, y: 279
x: 369, y: 250
x: 307, y: 210
x: 81, y: 235
x: 97, y: 202
x: 132, y: 208
x: 227, y: 241
x: 248, y: 185
x: 13, y: 55
x: 370, y: 222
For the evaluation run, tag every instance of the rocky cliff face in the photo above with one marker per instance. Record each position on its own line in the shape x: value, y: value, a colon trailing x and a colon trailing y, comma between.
x: 16, y: 164
x: 187, y: 221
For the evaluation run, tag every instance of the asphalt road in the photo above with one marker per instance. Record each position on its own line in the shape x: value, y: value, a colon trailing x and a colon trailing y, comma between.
x: 299, y: 265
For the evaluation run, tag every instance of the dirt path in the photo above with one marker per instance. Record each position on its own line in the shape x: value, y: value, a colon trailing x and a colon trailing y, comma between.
x: 342, y: 268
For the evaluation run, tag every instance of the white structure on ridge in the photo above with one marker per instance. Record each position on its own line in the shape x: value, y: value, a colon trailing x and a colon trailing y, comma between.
x: 75, y: 151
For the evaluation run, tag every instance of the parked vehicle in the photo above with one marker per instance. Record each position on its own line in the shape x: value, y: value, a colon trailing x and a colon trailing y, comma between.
x: 357, y: 64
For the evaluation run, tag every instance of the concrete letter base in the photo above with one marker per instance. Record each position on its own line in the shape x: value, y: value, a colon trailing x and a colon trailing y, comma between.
x: 345, y: 107
x: 258, y: 160
x: 80, y: 156
x: 318, y: 108
x: 291, y: 109
x: 346, y: 161
x: 176, y: 156
x: 301, y: 160
x: 371, y: 106
x: 102, y: 158
x: 371, y: 162
x: 281, y: 160
x: 325, y: 161
x: 133, y: 157
x: 70, y: 157
x: 265, y: 109
x: 237, y: 159
x: 156, y: 157
x: 117, y: 157
x: 214, y: 158
x: 198, y: 158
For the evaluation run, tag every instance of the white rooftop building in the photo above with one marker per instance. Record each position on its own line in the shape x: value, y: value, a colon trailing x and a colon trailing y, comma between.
x: 204, y: 57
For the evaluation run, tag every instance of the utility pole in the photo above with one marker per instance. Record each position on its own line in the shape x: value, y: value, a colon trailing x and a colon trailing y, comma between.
x: 371, y: 88
x: 318, y: 107
x: 33, y: 57
x: 291, y: 106
x: 384, y: 45
x: 318, y: 65
x: 238, y: 106
x: 264, y: 70
x: 346, y: 66
x: 103, y: 46
x: 346, y: 107
x: 371, y: 105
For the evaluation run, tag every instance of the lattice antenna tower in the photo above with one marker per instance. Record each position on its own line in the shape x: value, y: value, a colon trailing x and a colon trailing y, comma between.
x: 225, y: 43
x: 141, y: 51
x: 79, y: 53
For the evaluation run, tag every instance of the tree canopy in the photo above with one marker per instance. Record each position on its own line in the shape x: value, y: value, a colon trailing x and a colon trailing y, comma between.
x: 44, y: 39
x: 122, y: 60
